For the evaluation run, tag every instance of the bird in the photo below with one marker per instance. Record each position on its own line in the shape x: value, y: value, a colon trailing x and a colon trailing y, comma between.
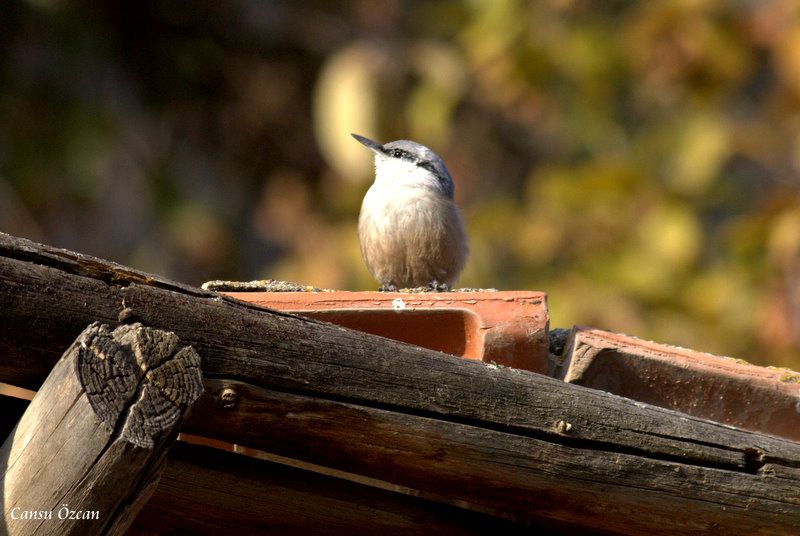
x: 410, y: 230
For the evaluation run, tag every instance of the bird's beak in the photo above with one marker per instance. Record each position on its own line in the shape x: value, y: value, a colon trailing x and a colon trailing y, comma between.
x: 369, y: 144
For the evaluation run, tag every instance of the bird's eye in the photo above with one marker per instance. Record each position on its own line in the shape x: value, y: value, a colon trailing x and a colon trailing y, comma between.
x: 397, y: 153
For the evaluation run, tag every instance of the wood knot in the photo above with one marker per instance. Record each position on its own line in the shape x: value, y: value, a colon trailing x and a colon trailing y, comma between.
x: 753, y: 459
x: 228, y: 398
x: 563, y: 427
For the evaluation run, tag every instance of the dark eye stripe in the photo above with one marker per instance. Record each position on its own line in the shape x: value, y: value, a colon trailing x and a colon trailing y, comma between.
x: 408, y: 157
x: 427, y: 165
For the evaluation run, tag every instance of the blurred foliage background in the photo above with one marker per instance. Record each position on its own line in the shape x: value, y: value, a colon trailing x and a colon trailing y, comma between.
x: 639, y: 161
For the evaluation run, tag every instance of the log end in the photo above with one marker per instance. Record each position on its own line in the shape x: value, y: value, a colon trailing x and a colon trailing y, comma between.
x: 138, y: 380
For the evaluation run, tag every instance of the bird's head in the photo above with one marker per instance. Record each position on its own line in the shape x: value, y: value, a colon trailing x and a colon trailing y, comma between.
x: 408, y: 163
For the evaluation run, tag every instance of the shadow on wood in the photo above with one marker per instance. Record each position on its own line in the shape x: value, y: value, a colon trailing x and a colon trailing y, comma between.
x: 205, y: 491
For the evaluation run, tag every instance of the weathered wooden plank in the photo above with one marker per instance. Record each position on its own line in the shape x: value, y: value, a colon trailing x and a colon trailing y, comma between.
x: 287, y: 352
x: 504, y: 472
x: 86, y: 453
x: 586, y: 431
x: 205, y: 491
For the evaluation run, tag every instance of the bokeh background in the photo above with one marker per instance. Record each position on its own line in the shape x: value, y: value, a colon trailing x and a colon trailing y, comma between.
x: 639, y: 161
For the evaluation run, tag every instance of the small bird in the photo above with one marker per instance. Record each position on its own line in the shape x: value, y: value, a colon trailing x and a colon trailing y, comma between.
x: 410, y: 229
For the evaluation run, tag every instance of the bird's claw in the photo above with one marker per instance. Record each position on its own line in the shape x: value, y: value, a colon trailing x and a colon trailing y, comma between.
x: 435, y: 286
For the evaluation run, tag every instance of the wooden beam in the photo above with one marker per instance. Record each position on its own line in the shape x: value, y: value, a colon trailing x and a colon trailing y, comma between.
x: 88, y: 451
x: 515, y: 444
x: 506, y: 472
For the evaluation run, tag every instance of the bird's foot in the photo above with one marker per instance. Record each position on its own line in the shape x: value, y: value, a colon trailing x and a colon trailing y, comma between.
x: 435, y: 286
x: 388, y: 287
